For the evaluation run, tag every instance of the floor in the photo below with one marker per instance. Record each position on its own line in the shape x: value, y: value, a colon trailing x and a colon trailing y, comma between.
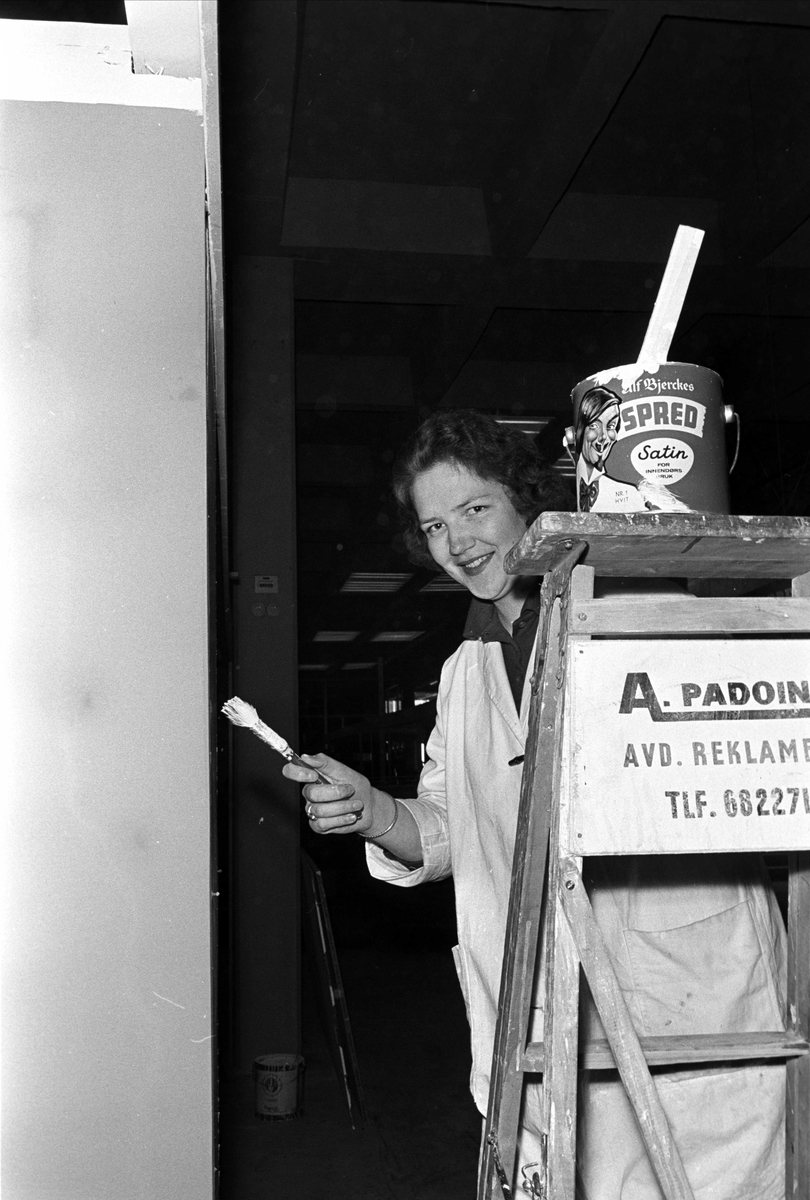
x: 411, y: 1037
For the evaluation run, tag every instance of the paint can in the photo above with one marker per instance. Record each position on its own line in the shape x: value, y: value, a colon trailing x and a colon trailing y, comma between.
x: 651, y: 437
x: 279, y: 1080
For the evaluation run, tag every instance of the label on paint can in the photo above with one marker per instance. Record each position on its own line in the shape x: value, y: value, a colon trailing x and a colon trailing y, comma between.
x: 663, y: 460
x: 644, y: 416
x: 651, y: 437
x: 279, y: 1086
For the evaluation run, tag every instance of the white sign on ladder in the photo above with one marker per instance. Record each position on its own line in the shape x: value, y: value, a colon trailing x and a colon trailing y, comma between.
x: 688, y: 746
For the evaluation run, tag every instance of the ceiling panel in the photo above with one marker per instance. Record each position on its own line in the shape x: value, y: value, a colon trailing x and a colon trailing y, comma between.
x: 421, y: 92
x: 598, y: 227
x: 368, y: 215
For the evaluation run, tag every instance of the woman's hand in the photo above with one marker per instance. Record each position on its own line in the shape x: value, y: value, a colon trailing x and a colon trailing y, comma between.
x: 352, y: 805
x: 348, y: 805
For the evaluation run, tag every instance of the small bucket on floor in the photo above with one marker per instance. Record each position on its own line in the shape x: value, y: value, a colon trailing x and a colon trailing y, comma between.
x: 279, y: 1080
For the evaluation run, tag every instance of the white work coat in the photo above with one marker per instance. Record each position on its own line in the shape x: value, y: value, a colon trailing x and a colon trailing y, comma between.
x: 698, y: 946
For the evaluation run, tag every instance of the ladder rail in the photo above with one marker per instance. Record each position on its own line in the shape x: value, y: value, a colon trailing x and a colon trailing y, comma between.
x: 538, y: 790
x: 797, y: 1127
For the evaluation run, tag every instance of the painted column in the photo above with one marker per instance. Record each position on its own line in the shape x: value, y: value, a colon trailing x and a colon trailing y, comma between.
x: 107, y: 1018
x: 265, y: 807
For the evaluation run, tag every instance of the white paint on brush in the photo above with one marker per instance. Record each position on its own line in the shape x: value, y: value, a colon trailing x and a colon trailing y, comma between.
x: 239, y: 712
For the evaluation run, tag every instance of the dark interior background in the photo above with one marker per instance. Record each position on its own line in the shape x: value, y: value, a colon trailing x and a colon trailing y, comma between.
x: 480, y: 199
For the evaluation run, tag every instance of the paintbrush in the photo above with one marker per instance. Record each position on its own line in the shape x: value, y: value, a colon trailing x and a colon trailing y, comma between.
x: 239, y: 712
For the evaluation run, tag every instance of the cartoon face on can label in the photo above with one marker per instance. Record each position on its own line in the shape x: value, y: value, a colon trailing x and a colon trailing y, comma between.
x: 662, y: 460
x: 599, y: 436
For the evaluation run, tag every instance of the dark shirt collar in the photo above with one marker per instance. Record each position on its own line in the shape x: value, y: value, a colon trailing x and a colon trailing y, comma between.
x: 484, y: 624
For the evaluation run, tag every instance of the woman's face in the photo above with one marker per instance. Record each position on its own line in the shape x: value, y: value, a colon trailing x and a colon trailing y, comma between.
x: 470, y: 523
x: 600, y: 434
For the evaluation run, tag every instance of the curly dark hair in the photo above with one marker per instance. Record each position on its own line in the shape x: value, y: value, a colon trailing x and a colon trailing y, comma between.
x: 492, y: 451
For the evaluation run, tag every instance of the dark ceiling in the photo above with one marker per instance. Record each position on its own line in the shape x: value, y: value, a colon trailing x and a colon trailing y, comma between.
x: 480, y: 197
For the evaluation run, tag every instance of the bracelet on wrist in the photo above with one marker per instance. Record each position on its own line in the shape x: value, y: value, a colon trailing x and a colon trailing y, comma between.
x: 371, y: 837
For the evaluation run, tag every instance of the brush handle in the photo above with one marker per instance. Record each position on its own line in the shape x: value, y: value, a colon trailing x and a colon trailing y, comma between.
x: 277, y: 742
x: 299, y: 762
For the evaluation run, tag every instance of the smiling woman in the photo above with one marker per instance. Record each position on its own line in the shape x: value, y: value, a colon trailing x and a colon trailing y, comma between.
x: 492, y: 451
x: 467, y: 488
x: 470, y: 524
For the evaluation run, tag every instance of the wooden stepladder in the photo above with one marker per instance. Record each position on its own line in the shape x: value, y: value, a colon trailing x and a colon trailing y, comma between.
x: 615, y: 675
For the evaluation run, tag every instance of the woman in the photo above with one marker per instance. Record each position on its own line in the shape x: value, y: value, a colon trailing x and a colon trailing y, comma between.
x: 467, y: 489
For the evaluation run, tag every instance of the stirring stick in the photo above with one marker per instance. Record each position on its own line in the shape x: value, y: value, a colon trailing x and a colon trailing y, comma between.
x: 671, y: 295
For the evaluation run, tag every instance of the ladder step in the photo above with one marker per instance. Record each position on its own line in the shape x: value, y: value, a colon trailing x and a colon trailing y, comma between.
x: 627, y: 615
x: 700, y: 545
x: 682, y: 1049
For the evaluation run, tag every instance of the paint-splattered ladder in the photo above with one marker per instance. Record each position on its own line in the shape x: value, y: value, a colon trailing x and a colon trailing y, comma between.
x: 557, y: 826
